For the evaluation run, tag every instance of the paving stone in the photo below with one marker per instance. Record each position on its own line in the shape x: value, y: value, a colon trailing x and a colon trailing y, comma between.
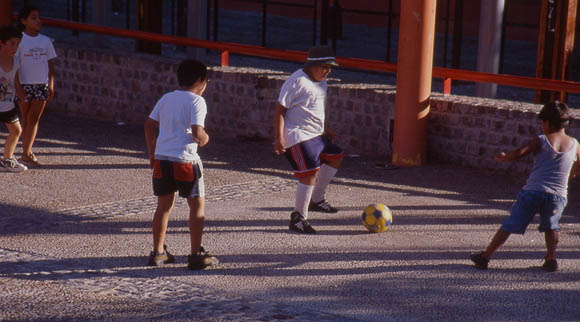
x: 178, y: 299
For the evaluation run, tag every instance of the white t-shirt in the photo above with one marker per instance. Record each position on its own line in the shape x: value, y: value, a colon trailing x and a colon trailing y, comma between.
x: 176, y: 112
x: 7, y: 91
x: 304, y: 101
x: 34, y: 54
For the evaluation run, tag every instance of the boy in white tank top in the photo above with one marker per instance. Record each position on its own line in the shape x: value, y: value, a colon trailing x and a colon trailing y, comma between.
x: 556, y: 161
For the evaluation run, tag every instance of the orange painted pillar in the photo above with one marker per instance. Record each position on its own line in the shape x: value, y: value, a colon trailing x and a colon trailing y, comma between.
x: 414, y: 72
x: 5, y: 12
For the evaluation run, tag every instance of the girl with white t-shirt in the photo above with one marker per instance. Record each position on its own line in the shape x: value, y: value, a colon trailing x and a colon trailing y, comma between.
x: 36, y: 75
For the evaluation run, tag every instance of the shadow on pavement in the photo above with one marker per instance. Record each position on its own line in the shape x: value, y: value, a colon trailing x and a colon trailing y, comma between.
x: 280, y: 265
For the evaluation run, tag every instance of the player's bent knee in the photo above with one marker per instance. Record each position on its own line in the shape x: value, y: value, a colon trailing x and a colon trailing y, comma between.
x: 308, y: 180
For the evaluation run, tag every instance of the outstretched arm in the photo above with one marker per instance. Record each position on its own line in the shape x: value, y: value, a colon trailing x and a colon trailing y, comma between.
x: 531, y: 147
x: 199, y: 135
x: 279, y: 129
x: 150, y: 137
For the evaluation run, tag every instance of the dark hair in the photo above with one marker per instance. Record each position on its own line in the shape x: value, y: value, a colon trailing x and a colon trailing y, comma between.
x: 24, y: 13
x: 190, y: 71
x: 9, y: 32
x: 556, y: 113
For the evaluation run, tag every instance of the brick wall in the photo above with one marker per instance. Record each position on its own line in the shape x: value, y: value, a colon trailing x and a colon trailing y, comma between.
x: 124, y: 87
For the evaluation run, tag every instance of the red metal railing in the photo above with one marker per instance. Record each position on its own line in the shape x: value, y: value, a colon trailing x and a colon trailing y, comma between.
x: 447, y: 74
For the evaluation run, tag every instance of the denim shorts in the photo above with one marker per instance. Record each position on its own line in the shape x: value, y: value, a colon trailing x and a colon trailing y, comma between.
x: 530, y: 203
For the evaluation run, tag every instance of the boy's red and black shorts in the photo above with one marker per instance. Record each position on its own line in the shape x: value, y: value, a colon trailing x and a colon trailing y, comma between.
x: 306, y: 157
x: 184, y: 177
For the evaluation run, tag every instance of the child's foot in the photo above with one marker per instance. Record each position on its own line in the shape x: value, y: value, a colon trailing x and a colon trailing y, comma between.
x: 158, y: 259
x: 322, y: 206
x: 550, y: 265
x: 30, y: 160
x: 479, y: 261
x: 299, y: 224
x: 11, y: 165
x: 202, y: 260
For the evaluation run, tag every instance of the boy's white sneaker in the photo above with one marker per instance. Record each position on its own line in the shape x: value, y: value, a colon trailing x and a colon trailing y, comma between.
x: 11, y: 165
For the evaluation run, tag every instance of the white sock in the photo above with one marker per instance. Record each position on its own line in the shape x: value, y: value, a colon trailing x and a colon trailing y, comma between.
x: 303, y: 194
x: 325, y: 174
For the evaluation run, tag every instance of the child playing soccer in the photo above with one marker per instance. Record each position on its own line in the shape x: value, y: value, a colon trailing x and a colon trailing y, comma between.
x: 301, y: 135
x: 180, y: 117
x: 9, y: 39
x: 556, y: 161
x: 36, y: 74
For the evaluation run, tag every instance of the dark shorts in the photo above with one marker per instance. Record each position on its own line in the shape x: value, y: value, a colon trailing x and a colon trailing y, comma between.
x: 307, y: 157
x: 35, y: 92
x: 530, y: 203
x: 10, y: 117
x: 170, y: 176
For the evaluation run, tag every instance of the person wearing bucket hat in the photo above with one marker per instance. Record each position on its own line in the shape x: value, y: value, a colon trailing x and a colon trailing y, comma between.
x: 303, y: 138
x: 320, y: 55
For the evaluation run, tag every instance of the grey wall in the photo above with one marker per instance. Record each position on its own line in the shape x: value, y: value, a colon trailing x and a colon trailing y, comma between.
x: 124, y: 87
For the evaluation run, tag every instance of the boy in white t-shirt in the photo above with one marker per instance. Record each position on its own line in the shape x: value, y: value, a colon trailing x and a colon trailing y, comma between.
x: 301, y: 135
x: 180, y: 117
x: 36, y: 76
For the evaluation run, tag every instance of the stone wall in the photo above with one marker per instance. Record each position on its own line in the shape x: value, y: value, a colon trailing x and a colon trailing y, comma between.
x: 241, y: 101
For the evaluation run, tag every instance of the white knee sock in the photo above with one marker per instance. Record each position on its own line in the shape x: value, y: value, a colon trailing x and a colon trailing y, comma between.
x: 325, y: 174
x: 303, y: 194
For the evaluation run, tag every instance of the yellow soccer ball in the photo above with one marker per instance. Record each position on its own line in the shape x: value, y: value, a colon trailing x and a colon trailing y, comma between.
x: 377, y: 217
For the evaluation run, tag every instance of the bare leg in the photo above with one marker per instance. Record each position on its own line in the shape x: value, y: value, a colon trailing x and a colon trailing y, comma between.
x: 335, y: 163
x: 498, y: 239
x: 14, y: 131
x: 310, y: 180
x: 196, y: 222
x: 551, y: 237
x: 31, y: 113
x: 160, y: 220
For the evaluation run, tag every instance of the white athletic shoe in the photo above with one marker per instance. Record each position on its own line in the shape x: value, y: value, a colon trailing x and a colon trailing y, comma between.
x: 11, y: 165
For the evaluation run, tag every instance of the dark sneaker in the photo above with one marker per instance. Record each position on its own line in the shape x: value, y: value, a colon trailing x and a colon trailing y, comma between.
x: 158, y: 259
x: 299, y: 224
x: 479, y: 261
x: 11, y: 165
x: 550, y: 265
x: 202, y: 260
x: 322, y: 206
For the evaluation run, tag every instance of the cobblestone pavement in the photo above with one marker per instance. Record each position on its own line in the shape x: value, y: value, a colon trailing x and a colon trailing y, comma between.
x: 172, y: 299
x: 16, y: 222
x: 75, y: 234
